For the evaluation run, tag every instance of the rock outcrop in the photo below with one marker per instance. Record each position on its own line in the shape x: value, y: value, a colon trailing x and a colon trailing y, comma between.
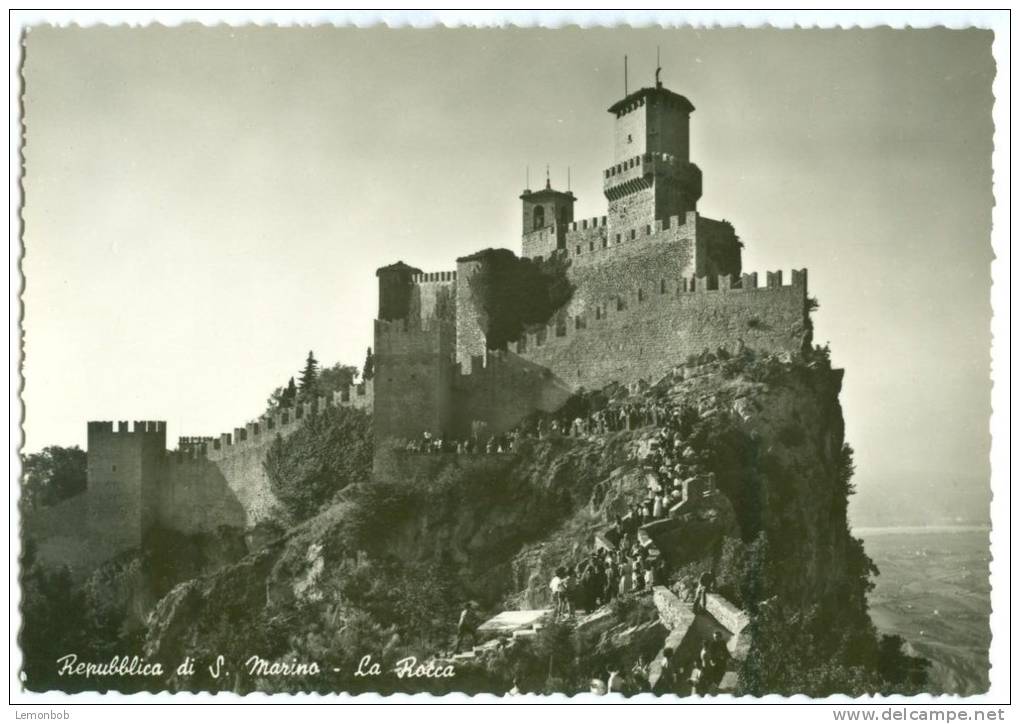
x: 766, y: 440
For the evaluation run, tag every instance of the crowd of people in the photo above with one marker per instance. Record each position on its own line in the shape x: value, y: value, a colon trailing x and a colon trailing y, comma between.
x: 612, y: 417
x: 429, y: 444
x: 698, y: 675
x: 602, y: 576
x: 618, y: 564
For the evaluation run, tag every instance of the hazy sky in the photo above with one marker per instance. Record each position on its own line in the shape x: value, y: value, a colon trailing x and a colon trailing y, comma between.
x: 205, y: 205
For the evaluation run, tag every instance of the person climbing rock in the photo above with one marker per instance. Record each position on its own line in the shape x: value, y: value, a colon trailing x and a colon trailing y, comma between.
x: 466, y: 627
x: 706, y: 581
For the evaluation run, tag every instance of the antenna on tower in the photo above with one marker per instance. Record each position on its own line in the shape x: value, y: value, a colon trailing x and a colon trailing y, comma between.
x: 625, y: 76
x: 658, y: 68
x: 547, y: 177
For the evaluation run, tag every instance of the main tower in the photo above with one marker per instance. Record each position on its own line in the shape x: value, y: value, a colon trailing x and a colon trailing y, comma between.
x: 652, y: 176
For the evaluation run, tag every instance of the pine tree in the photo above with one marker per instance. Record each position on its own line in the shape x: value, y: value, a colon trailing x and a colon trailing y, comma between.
x: 309, y: 374
x: 368, y: 370
x: 289, y: 394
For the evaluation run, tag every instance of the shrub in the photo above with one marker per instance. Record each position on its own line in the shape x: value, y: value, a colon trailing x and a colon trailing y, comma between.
x: 332, y: 450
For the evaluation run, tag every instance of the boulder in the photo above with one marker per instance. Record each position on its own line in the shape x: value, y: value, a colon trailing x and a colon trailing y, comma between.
x: 597, y: 622
x: 643, y: 639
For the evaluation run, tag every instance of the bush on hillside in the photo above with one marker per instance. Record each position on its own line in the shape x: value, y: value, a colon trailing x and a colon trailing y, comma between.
x: 332, y: 450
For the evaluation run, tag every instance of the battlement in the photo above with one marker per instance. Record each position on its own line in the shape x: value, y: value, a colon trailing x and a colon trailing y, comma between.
x: 148, y: 427
x: 593, y: 223
x: 596, y: 243
x: 430, y: 277
x: 637, y: 173
x: 666, y: 292
x: 352, y: 393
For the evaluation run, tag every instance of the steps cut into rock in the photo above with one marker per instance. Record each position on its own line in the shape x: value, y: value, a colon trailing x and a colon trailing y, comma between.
x: 507, y: 622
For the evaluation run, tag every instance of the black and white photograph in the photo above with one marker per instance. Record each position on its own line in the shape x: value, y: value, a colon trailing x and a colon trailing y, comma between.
x: 517, y: 362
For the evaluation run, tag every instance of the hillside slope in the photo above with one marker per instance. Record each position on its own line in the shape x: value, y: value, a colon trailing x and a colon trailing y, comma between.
x: 385, y: 571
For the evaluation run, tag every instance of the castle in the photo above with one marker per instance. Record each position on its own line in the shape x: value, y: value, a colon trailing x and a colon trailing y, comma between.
x: 653, y: 282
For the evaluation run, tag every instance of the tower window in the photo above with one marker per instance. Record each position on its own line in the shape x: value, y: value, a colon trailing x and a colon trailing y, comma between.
x: 630, y: 139
x: 538, y: 217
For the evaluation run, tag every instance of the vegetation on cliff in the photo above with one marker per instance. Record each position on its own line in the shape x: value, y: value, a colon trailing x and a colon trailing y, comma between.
x: 383, y: 562
x: 332, y: 450
x: 54, y: 474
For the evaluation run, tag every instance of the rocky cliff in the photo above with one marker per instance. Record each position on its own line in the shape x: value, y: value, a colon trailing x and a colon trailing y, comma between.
x: 385, y: 571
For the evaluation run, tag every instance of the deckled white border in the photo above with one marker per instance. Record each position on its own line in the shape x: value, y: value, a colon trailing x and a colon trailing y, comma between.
x: 787, y: 709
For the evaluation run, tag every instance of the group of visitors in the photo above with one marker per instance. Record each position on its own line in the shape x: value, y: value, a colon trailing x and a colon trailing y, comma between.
x: 612, y: 417
x: 677, y: 470
x: 602, y: 576
x: 429, y: 444
x: 699, y: 675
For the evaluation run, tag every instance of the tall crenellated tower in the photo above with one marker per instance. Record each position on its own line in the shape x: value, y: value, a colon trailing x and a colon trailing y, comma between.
x: 124, y: 472
x: 415, y: 343
x: 652, y: 177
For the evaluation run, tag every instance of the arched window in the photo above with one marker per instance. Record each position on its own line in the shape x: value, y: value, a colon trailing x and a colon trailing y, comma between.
x: 538, y: 217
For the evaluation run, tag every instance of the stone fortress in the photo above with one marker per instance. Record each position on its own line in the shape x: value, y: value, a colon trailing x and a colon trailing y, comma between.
x: 653, y: 282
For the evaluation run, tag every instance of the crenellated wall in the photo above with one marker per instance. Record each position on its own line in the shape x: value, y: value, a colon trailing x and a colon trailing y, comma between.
x: 221, y: 481
x: 134, y: 483
x: 433, y: 295
x: 643, y: 334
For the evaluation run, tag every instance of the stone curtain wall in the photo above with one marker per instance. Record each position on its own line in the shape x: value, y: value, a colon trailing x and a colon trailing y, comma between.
x: 134, y: 483
x: 501, y: 390
x: 652, y: 334
x: 663, y: 257
x: 199, y: 495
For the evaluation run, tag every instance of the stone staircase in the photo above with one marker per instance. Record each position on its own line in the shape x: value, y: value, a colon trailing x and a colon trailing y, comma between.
x: 503, y: 630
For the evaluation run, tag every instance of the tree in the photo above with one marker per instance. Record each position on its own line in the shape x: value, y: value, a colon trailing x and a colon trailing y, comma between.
x: 322, y: 457
x: 290, y: 394
x: 306, y: 381
x: 282, y: 397
x: 334, y: 379
x: 368, y: 371
x: 52, y: 475
x: 511, y: 295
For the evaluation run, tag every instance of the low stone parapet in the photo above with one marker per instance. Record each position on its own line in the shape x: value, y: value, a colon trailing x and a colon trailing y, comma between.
x: 677, y: 615
x: 733, y: 619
